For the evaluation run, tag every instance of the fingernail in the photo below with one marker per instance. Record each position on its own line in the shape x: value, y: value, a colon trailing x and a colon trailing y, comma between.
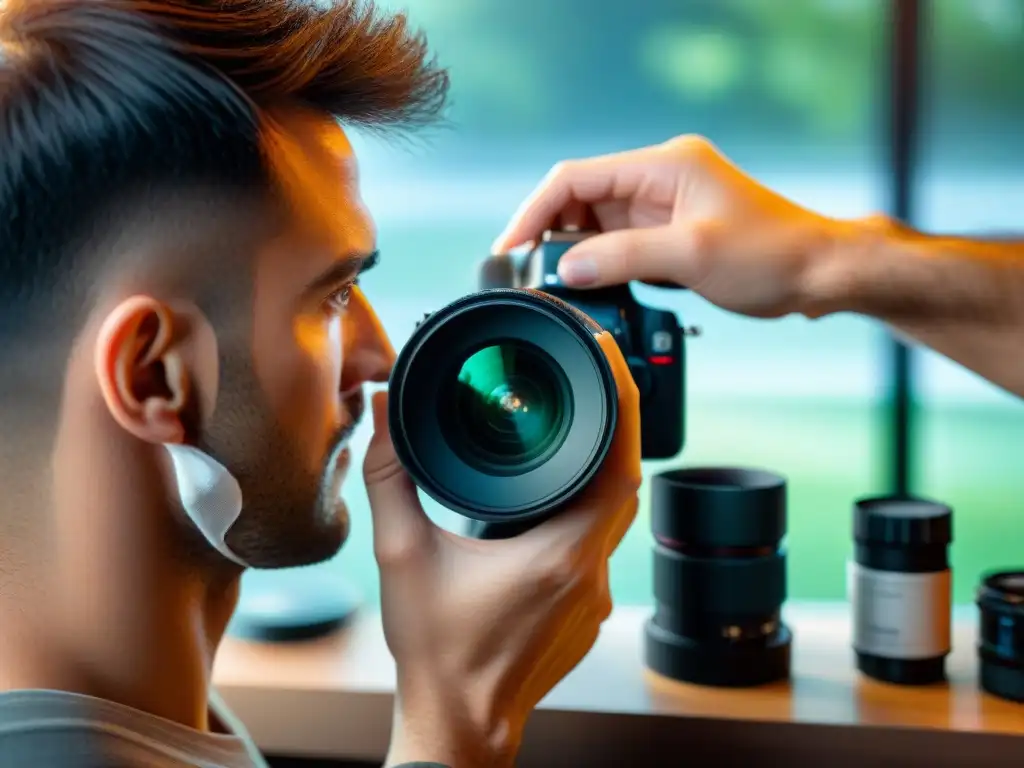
x: 578, y: 271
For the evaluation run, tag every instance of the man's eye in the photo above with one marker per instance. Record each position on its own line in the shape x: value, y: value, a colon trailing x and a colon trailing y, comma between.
x: 338, y: 300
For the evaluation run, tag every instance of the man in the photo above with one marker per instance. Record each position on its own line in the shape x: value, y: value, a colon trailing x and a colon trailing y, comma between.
x: 681, y: 212
x: 184, y: 348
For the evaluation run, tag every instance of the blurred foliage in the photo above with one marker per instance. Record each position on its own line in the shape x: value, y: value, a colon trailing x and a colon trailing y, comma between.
x: 801, y: 68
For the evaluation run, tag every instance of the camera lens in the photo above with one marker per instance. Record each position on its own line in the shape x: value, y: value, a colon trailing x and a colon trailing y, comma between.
x: 1001, y: 644
x: 502, y: 405
x: 510, y: 407
x: 719, y: 577
x: 900, y: 589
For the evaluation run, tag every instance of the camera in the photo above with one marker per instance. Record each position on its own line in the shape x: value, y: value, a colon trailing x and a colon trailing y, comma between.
x: 651, y: 340
x: 502, y: 407
x: 502, y: 404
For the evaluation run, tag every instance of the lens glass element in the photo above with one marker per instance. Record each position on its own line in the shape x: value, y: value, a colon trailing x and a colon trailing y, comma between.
x: 510, y: 407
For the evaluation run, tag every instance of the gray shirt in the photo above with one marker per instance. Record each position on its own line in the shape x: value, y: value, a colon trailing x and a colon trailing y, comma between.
x: 54, y: 729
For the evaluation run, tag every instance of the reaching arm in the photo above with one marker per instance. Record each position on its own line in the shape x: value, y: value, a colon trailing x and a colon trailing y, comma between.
x: 962, y: 298
x: 682, y: 212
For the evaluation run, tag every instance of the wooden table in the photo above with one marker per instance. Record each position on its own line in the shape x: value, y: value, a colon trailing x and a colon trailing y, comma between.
x: 332, y: 698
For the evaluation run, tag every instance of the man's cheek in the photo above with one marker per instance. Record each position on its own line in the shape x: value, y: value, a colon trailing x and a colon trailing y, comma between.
x: 334, y: 333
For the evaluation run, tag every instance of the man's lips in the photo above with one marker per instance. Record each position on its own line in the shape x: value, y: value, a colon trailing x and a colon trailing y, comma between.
x: 344, y: 458
x: 354, y: 404
x: 338, y: 472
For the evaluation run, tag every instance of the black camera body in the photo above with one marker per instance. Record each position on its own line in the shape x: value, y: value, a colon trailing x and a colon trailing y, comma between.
x: 651, y: 340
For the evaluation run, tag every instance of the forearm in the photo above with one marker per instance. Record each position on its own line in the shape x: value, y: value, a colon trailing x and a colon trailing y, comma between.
x: 962, y: 298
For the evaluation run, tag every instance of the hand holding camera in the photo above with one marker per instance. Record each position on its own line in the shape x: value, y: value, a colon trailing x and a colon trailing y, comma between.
x: 680, y: 212
x: 482, y: 630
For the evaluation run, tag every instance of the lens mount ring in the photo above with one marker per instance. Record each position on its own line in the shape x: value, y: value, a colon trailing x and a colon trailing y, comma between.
x: 418, y: 391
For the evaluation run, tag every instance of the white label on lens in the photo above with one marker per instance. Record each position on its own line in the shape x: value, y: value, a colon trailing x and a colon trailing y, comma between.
x: 900, y: 615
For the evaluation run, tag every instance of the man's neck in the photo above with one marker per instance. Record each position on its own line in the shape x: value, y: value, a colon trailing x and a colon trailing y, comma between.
x: 159, y: 658
x: 98, y: 593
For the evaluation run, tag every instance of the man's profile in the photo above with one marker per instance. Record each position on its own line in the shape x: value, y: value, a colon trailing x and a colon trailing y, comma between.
x: 183, y: 349
x: 180, y: 238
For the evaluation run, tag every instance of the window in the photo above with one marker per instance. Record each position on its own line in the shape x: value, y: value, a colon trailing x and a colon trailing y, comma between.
x: 789, y: 90
x: 971, y: 181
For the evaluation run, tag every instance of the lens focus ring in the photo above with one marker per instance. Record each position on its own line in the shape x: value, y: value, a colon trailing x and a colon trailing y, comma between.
x: 754, y: 585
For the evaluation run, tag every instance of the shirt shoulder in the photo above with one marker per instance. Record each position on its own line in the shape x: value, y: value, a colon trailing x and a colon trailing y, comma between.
x: 56, y: 729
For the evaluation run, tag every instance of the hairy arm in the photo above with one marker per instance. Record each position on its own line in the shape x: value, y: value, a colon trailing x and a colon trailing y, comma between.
x: 963, y: 298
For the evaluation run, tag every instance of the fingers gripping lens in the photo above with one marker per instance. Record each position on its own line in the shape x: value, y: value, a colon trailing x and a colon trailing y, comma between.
x: 510, y: 405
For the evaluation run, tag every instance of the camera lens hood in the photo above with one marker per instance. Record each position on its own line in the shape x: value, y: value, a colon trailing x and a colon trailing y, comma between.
x: 713, y: 508
x: 420, y: 404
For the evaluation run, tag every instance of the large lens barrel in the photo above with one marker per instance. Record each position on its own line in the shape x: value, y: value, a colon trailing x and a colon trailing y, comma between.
x: 719, y: 577
x: 1001, y: 636
x: 503, y: 406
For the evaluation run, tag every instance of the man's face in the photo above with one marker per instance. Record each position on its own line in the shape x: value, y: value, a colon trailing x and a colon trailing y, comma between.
x: 291, y: 374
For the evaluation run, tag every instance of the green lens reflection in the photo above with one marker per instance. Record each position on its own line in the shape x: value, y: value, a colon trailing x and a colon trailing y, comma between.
x: 509, y: 405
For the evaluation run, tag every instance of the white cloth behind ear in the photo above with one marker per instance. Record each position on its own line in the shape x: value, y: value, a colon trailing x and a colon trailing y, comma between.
x: 209, y: 494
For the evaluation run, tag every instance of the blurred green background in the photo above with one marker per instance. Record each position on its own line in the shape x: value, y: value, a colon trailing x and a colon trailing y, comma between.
x: 795, y: 92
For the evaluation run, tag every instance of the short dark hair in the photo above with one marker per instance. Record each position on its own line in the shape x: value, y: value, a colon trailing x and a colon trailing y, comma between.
x: 104, y: 101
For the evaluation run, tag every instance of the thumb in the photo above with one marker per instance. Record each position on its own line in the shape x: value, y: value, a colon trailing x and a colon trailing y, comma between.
x: 654, y: 254
x: 401, y: 529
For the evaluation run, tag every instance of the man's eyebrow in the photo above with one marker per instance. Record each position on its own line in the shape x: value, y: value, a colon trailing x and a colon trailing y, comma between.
x: 345, y: 268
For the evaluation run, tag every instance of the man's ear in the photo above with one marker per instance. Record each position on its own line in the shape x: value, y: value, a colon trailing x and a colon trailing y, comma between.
x: 140, y: 370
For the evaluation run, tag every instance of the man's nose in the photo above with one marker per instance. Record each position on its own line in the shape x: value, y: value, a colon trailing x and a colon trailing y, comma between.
x: 368, y: 354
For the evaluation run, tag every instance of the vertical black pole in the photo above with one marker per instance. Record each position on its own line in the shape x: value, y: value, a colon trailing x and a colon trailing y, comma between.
x: 905, y: 53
